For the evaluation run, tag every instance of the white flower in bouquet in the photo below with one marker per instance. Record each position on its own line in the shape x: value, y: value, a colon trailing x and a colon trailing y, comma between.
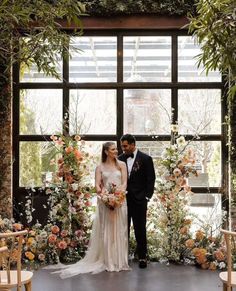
x: 75, y: 186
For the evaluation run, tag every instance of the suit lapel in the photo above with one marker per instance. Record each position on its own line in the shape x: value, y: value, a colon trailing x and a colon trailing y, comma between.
x: 134, y: 164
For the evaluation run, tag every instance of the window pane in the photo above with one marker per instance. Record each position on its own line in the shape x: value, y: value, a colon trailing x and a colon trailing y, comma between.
x: 207, y: 210
x: 147, y: 59
x: 208, y: 164
x: 147, y: 111
x: 188, y: 71
x: 35, y: 166
x: 93, y: 111
x: 153, y: 148
x: 199, y: 111
x: 40, y: 111
x: 96, y: 60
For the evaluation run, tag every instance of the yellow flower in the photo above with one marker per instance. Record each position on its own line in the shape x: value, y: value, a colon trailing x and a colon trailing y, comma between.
x: 30, y: 241
x: 212, y: 266
x: 29, y: 255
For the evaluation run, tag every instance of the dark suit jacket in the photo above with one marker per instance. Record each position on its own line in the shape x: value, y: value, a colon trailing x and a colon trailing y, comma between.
x: 142, y: 177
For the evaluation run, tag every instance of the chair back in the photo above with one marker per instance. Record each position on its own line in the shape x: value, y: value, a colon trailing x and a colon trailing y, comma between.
x: 229, y: 237
x: 11, y: 255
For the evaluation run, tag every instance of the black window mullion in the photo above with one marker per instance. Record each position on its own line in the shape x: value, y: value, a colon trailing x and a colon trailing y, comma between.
x: 65, y: 105
x: 120, y: 91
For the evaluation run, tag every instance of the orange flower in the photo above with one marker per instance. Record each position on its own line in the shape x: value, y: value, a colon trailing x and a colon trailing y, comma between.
x: 183, y: 230
x: 52, y: 238
x: 17, y: 226
x: 78, y: 154
x: 201, y: 259
x: 219, y: 255
x: 189, y: 243
x: 29, y: 255
x: 55, y: 229
x: 69, y: 149
x: 200, y: 235
x: 187, y: 221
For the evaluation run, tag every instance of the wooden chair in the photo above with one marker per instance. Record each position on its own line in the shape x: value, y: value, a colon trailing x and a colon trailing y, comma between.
x: 10, y: 278
x: 229, y: 277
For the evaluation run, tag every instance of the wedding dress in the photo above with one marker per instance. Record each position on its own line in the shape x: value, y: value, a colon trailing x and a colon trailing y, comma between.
x: 108, y: 245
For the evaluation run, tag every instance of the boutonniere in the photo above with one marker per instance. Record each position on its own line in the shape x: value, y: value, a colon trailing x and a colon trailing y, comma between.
x: 136, y: 166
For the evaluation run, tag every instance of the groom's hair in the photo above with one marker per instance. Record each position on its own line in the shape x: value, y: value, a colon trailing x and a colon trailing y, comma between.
x: 129, y: 137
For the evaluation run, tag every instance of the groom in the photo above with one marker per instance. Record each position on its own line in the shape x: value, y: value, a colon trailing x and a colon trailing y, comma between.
x: 140, y: 187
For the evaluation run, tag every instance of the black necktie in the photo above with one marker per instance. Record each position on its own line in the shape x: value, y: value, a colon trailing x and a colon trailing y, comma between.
x: 130, y: 155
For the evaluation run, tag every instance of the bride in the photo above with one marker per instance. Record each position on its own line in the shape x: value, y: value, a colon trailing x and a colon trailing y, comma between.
x: 108, y: 246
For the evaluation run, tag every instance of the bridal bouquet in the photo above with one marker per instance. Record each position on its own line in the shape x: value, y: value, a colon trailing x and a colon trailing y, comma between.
x: 113, y: 197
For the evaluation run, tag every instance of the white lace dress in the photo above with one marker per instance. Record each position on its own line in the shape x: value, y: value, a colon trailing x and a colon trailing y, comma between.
x: 108, y: 246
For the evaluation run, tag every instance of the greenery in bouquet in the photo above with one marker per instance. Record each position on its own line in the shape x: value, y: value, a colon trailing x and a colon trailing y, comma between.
x: 65, y: 236
x: 172, y: 197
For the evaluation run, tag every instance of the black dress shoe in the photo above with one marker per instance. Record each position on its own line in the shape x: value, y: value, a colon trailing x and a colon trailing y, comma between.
x: 142, y: 264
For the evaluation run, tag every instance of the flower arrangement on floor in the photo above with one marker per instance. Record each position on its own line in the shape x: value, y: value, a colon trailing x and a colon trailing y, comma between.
x: 65, y: 236
x: 172, y: 197
x: 206, y: 251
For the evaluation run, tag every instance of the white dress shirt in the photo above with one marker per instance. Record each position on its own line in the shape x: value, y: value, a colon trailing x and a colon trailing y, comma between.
x: 130, y: 161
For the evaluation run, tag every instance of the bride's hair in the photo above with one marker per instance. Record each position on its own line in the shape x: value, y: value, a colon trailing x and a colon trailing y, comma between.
x: 105, y: 147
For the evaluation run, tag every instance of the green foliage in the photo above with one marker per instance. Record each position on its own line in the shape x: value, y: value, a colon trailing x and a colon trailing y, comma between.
x: 39, y: 21
x: 215, y: 29
x: 120, y: 7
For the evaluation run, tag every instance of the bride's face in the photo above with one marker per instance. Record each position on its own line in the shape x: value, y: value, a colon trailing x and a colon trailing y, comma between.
x: 112, y: 152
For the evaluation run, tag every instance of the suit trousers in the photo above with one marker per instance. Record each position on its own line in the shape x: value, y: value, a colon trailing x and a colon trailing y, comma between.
x: 137, y: 212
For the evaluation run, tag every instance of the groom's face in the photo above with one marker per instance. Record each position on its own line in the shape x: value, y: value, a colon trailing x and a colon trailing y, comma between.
x: 127, y: 148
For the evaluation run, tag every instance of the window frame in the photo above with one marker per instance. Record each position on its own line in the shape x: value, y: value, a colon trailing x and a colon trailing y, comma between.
x: 120, y: 86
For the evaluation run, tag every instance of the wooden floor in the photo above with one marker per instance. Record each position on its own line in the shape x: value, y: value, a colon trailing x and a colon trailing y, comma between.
x: 157, y: 277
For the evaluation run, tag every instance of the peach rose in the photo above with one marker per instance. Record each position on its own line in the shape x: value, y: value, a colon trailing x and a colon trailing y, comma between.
x: 69, y: 149
x: 55, y: 229
x: 189, y: 243
x: 219, y: 255
x: 52, y: 238
x: 183, y: 230
x: 200, y: 235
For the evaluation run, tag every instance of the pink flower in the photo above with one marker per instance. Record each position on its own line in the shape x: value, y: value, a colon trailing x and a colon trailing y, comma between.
x: 78, y: 233
x: 64, y: 233
x: 177, y: 172
x: 62, y: 245
x: 52, y: 238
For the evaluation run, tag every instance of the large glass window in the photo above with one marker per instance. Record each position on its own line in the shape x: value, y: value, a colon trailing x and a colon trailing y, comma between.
x: 117, y: 82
